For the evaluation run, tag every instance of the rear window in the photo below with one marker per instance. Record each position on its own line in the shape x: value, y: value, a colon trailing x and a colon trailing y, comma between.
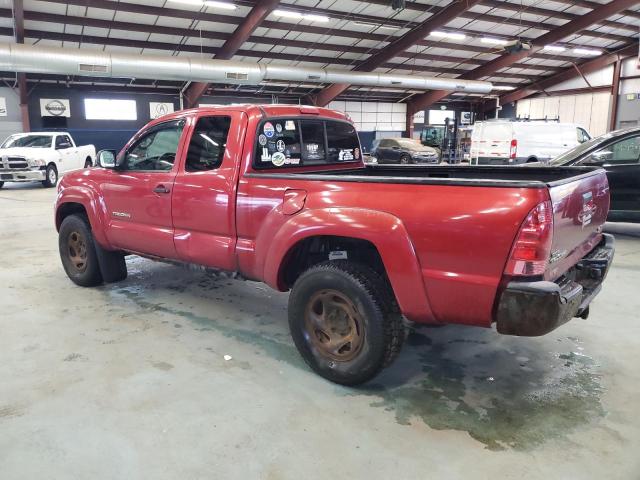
x: 289, y: 142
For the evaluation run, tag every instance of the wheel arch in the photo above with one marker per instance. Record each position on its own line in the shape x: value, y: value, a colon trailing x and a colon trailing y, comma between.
x: 384, y: 244
x: 74, y: 200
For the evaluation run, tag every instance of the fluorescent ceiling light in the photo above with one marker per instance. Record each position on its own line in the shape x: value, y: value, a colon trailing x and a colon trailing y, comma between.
x: 587, y: 51
x: 222, y: 5
x: 555, y: 48
x: 506, y: 88
x: 207, y: 3
x: 376, y: 25
x: 301, y: 16
x: 493, y: 41
x: 453, y: 36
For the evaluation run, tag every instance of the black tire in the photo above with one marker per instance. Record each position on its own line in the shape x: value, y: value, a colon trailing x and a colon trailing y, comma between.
x: 88, y: 163
x: 1, y: 184
x: 51, y: 176
x: 380, y: 328
x: 405, y: 160
x: 75, y: 243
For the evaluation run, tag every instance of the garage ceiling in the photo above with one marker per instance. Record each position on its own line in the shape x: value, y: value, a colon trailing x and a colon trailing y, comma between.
x: 344, y: 34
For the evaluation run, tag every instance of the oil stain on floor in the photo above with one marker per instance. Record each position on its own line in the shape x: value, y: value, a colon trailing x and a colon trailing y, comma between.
x: 506, y: 392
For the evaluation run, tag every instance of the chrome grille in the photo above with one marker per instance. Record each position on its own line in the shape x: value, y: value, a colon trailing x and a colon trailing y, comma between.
x: 13, y: 163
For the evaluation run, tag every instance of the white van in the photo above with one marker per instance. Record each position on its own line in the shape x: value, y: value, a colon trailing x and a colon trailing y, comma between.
x: 508, y: 142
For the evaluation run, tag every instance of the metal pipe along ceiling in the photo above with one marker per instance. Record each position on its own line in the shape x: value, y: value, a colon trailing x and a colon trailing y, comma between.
x: 51, y: 60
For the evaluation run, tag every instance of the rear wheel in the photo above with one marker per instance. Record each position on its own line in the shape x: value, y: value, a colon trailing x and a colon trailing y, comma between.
x: 1, y: 184
x: 78, y: 253
x: 405, y: 159
x: 51, y: 176
x: 344, y: 322
x: 87, y: 163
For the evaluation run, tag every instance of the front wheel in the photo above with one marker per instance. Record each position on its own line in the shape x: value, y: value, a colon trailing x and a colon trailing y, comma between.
x: 405, y: 159
x: 344, y: 322
x: 51, y: 176
x: 78, y: 252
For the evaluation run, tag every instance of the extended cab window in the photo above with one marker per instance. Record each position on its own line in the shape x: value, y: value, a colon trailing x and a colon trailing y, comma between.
x: 208, y: 143
x: 156, y: 149
x: 301, y: 142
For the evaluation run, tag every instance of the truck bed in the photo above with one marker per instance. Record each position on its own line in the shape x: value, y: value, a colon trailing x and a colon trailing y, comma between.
x: 507, y: 176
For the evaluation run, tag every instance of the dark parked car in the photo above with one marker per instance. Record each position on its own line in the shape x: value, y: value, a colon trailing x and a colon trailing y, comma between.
x: 619, y: 154
x: 403, y: 150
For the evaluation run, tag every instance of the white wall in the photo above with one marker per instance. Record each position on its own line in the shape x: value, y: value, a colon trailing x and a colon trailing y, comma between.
x: 591, y: 110
x: 374, y: 116
x: 11, y: 122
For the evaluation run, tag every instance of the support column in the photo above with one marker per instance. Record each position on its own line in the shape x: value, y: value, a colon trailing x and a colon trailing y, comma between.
x: 24, y: 102
x: 409, y: 124
x: 615, y: 95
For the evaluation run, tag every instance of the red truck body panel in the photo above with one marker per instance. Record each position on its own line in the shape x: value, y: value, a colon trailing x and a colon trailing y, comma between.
x: 444, y: 247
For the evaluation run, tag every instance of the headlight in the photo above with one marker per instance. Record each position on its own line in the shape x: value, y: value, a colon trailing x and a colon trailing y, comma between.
x: 37, y: 163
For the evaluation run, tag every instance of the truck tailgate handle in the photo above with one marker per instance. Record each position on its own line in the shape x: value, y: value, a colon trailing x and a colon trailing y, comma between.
x: 293, y: 201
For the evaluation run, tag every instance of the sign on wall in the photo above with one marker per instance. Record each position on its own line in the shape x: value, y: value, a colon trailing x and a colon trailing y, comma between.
x: 3, y: 107
x: 465, y: 118
x: 55, y: 107
x: 419, y: 117
x: 158, y: 109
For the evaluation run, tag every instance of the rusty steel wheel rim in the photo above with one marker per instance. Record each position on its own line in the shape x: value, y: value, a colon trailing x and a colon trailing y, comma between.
x: 334, y: 325
x: 77, y: 250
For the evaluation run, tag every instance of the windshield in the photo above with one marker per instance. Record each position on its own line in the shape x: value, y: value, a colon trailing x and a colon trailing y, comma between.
x: 31, y: 141
x: 573, y: 154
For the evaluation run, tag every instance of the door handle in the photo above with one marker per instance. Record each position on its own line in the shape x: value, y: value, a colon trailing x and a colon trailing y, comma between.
x: 161, y: 189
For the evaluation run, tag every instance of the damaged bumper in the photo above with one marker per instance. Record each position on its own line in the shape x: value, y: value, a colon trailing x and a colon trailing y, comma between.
x: 535, y: 308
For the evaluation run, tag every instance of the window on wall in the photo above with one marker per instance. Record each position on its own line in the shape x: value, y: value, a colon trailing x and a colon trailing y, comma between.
x: 107, y: 109
x: 437, y: 117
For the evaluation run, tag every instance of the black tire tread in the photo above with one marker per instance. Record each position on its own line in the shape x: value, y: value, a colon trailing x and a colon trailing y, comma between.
x: 381, y: 295
x: 94, y: 278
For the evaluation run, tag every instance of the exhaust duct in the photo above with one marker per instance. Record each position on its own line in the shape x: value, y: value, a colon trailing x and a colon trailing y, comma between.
x: 61, y: 61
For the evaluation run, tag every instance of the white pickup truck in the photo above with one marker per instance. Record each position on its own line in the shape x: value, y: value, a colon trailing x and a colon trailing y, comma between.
x: 42, y: 157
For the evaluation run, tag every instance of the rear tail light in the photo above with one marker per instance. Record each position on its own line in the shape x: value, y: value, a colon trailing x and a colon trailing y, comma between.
x: 513, y: 151
x: 532, y: 248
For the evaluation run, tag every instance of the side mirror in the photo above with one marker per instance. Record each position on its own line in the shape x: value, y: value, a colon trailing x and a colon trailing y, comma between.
x: 107, y: 158
x: 598, y: 158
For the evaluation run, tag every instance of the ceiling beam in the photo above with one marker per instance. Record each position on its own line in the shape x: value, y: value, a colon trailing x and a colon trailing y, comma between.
x: 253, y: 20
x: 400, y: 44
x: 570, y: 73
x: 603, y: 12
x: 126, y: 7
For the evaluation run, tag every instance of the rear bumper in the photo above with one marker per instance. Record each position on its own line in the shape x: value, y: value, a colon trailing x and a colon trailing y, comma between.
x: 532, y: 309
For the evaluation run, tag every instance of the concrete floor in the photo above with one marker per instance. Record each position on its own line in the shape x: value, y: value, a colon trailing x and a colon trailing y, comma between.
x: 129, y: 381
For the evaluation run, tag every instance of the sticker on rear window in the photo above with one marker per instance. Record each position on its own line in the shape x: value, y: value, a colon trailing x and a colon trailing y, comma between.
x: 356, y: 153
x: 268, y: 130
x: 266, y: 157
x: 290, y: 125
x: 278, y: 128
x: 278, y: 159
x: 262, y: 140
x: 280, y: 145
x: 345, y: 155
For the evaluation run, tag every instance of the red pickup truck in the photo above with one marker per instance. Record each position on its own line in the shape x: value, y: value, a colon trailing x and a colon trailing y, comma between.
x: 280, y: 194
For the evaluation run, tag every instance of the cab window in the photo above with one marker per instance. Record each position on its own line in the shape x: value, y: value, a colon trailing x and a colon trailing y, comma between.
x: 302, y: 142
x: 62, y: 142
x: 208, y: 144
x: 156, y: 149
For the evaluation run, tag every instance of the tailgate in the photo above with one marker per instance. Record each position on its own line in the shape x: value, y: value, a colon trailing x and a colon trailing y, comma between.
x: 580, y: 208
